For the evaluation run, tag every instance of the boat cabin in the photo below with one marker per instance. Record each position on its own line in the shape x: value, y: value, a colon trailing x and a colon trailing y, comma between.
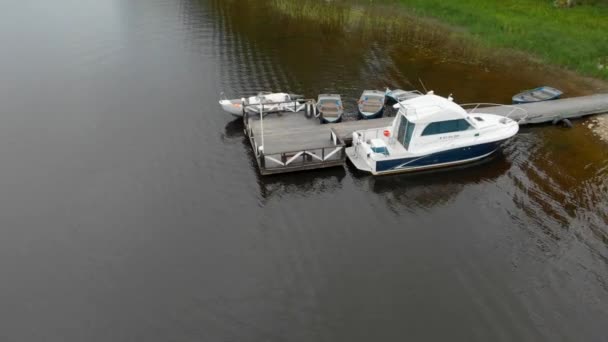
x: 427, y: 119
x: 425, y: 123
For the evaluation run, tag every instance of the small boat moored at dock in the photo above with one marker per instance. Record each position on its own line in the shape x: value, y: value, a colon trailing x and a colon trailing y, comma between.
x: 330, y: 108
x: 371, y: 104
x: 399, y: 95
x: 428, y: 132
x: 536, y: 95
x: 263, y: 102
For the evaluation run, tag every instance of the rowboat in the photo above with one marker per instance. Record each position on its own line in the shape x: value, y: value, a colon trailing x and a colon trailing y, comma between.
x: 371, y: 104
x: 263, y: 102
x: 330, y: 108
x: 543, y: 93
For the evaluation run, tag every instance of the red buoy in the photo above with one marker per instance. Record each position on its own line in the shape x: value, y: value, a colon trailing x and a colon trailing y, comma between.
x: 387, y: 133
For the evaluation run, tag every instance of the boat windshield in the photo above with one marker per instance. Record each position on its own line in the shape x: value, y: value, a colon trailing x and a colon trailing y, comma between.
x: 405, y: 131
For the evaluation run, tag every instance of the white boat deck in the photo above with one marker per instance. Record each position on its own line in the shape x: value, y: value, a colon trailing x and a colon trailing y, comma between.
x: 356, y: 160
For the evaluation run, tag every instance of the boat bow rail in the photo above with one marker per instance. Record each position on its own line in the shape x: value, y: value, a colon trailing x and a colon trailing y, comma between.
x: 402, y: 95
x: 372, y: 133
x: 514, y: 113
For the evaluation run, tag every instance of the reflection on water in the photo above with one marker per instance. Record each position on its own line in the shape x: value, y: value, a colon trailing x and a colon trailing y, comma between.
x: 306, y: 184
x: 132, y: 208
x: 561, y: 181
x: 421, y: 191
x: 234, y: 130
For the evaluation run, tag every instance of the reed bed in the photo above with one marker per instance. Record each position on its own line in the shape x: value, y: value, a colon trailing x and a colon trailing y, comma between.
x: 474, y: 31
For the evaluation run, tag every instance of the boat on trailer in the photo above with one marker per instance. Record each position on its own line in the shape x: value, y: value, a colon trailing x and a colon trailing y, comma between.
x: 330, y: 108
x: 430, y: 131
x: 400, y: 95
x: 543, y: 93
x: 371, y: 104
x: 265, y: 102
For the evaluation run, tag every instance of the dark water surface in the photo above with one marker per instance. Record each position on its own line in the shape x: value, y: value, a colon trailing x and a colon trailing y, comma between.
x: 131, y: 208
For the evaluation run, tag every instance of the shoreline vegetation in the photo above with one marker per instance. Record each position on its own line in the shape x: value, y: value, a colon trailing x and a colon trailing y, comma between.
x: 574, y: 37
x: 478, y: 31
x: 569, y: 43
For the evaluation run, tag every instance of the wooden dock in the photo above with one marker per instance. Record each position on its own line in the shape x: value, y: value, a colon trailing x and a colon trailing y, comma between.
x: 287, y: 142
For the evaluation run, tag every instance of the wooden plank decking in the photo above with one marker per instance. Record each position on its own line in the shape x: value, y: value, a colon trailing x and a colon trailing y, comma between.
x: 288, y: 132
x: 292, y: 142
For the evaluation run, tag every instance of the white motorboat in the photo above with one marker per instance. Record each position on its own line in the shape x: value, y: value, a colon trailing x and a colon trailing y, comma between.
x: 263, y: 102
x: 430, y: 131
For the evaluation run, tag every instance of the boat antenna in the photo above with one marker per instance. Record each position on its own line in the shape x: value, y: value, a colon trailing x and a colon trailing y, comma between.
x: 423, y: 87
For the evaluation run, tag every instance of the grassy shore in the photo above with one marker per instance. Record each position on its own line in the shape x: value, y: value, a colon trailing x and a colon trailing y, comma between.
x: 576, y: 38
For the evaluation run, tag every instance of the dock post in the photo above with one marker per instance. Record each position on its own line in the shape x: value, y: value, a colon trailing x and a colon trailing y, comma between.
x: 262, y: 122
x: 245, y: 119
x: 262, y: 158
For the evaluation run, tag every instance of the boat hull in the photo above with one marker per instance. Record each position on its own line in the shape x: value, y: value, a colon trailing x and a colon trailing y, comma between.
x: 441, y: 159
x: 269, y: 103
x: 325, y: 120
x: 232, y: 106
x: 371, y: 104
x: 523, y: 102
x: 369, y: 116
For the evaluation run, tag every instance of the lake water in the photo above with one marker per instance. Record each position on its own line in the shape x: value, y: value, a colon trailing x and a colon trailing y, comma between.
x: 132, y: 210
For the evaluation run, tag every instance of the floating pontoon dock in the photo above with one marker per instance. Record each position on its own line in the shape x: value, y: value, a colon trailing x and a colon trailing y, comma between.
x: 287, y: 142
x: 291, y: 141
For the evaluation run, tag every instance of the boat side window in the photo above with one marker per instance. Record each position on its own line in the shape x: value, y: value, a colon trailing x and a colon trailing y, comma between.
x: 449, y: 126
x: 405, y: 132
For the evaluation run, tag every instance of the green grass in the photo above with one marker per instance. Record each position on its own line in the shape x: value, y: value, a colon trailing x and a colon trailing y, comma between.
x: 384, y: 20
x: 576, y: 38
x: 477, y: 30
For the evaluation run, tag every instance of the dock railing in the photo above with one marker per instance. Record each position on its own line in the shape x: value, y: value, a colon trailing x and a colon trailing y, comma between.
x: 293, y: 106
x: 373, y: 133
x: 260, y: 110
x: 331, y: 154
